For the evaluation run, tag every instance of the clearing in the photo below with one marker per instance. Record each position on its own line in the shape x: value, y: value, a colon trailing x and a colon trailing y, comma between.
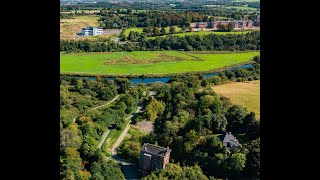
x: 245, y: 94
x: 70, y: 27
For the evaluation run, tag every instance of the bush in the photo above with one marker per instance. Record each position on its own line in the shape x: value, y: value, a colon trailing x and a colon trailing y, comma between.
x: 239, y: 80
x: 250, y: 78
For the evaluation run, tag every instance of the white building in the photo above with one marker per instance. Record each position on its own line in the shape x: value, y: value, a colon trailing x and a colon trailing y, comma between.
x: 91, y: 31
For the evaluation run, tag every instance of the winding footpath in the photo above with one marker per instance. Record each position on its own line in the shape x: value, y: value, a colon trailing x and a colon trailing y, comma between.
x: 105, y: 135
x: 105, y: 104
x: 74, y: 120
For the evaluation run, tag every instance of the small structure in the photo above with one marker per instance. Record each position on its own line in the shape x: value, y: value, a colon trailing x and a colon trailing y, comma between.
x: 231, y: 143
x: 153, y: 157
x: 91, y: 31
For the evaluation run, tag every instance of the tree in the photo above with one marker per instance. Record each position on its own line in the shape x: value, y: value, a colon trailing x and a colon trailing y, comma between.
x: 256, y: 59
x: 174, y: 171
x: 123, y: 84
x: 221, y: 27
x: 156, y: 31
x: 153, y: 109
x: 129, y: 150
x: 172, y: 30
x: 190, y: 29
x: 183, y: 28
x: 235, y: 117
x: 230, y: 26
x: 107, y: 170
x: 163, y: 31
x: 69, y: 138
x: 235, y: 164
x: 252, y: 169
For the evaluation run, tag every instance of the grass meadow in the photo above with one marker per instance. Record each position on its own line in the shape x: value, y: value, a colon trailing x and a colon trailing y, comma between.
x: 149, y: 62
x: 245, y: 94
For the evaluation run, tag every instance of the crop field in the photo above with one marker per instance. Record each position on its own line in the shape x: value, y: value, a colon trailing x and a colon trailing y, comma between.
x: 201, y: 33
x: 149, y: 62
x: 245, y: 94
x: 70, y: 27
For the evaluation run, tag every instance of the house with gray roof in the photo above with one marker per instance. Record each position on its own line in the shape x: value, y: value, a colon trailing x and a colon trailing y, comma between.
x: 231, y: 142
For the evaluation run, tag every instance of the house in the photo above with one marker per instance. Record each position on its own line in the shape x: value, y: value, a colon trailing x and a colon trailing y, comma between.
x: 91, y: 31
x: 153, y: 157
x: 231, y: 142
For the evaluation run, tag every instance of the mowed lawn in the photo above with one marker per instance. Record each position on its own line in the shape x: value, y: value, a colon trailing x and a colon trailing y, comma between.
x: 245, y: 94
x: 201, y: 33
x: 148, y: 62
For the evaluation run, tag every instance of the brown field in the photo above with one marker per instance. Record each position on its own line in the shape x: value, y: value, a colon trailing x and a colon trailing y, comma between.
x: 245, y: 94
x: 70, y: 27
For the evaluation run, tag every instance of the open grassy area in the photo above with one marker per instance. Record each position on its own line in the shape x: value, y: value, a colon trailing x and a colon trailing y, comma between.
x: 245, y: 94
x: 127, y: 31
x: 241, y: 8
x: 140, y: 30
x: 70, y: 27
x: 201, y: 33
x: 149, y: 62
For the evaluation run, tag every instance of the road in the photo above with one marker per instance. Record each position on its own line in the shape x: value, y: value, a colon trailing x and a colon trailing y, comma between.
x: 123, y: 134
x: 105, y: 135
x: 105, y: 104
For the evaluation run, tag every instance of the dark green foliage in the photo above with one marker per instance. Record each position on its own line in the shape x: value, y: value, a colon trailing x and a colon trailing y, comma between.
x: 129, y: 150
x: 107, y: 170
x: 247, y: 41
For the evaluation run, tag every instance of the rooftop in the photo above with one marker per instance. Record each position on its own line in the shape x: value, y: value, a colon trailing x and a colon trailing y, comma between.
x: 155, y: 150
x: 230, y: 141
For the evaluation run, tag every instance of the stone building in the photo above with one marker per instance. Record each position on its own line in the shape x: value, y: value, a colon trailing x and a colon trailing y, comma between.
x: 153, y: 157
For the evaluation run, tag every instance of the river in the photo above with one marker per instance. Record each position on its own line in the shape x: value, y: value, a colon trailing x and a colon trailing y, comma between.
x: 136, y: 81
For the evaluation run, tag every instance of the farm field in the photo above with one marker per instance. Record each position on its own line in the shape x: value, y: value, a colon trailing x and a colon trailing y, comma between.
x: 70, y: 27
x: 149, y: 62
x: 245, y: 94
x: 201, y: 33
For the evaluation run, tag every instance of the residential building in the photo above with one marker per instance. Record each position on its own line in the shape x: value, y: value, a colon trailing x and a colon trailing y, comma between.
x: 153, y: 157
x: 231, y: 142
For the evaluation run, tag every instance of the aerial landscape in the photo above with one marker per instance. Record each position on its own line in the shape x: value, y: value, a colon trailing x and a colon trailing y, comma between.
x: 159, y: 89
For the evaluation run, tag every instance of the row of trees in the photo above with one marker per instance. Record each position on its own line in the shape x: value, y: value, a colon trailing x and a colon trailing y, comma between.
x: 153, y: 19
x: 229, y: 42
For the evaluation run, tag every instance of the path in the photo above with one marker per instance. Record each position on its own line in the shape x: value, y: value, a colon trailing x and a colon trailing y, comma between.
x: 123, y: 134
x: 105, y: 135
x: 105, y: 104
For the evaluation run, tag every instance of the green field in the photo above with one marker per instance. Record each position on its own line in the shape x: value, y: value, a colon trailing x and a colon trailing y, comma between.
x: 127, y: 31
x: 241, y: 8
x: 201, y: 33
x: 245, y: 94
x: 140, y: 30
x: 149, y: 62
